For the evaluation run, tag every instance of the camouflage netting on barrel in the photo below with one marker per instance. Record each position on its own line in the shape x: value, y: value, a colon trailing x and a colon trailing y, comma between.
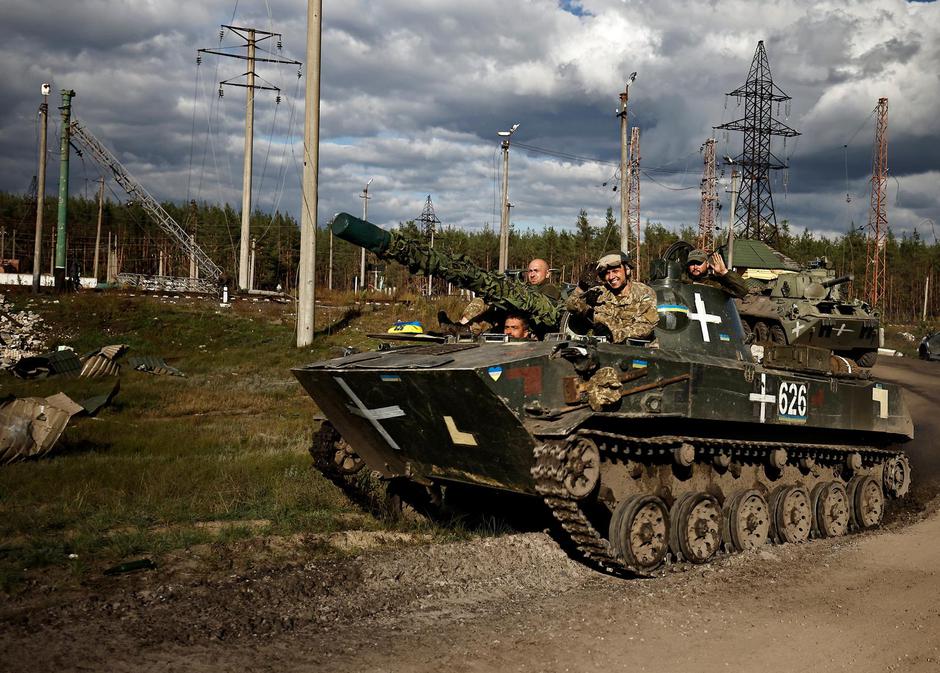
x: 496, y: 289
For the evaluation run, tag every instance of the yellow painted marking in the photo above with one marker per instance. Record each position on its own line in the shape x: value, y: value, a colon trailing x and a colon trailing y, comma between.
x: 458, y: 437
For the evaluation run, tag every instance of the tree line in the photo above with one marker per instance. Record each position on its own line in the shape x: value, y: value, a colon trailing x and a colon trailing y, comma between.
x: 138, y: 243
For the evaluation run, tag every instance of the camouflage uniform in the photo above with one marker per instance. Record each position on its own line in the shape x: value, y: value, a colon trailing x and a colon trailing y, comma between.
x: 629, y: 315
x: 481, y: 317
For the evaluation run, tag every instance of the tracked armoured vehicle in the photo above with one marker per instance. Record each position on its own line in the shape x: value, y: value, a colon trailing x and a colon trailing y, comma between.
x: 810, y: 307
x: 686, y: 446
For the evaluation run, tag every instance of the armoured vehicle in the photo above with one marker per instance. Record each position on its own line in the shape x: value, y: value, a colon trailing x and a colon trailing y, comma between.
x: 810, y: 307
x: 643, y: 452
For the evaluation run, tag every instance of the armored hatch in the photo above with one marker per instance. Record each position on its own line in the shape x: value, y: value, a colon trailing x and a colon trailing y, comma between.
x: 686, y: 447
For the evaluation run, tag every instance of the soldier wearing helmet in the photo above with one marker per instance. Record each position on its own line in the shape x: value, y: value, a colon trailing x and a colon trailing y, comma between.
x: 624, y: 307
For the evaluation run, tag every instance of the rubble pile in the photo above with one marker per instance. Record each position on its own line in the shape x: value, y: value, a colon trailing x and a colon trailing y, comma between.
x: 21, y: 334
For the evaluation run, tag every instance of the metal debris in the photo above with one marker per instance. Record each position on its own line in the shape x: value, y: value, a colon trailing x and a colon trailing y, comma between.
x: 103, y: 362
x: 131, y: 566
x: 152, y: 364
x: 60, y: 362
x: 30, y: 427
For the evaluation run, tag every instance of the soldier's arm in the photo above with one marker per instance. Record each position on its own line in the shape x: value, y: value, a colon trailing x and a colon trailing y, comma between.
x: 734, y: 284
x: 473, y: 310
x: 577, y: 302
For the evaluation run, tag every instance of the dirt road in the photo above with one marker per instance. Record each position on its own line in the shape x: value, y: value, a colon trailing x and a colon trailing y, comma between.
x: 517, y: 603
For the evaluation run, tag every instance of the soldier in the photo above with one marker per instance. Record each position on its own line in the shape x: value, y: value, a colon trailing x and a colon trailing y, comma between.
x: 516, y: 326
x: 625, y: 307
x: 537, y: 274
x: 700, y: 268
x: 480, y: 317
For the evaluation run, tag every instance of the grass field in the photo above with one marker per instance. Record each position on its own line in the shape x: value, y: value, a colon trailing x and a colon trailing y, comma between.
x: 214, y: 457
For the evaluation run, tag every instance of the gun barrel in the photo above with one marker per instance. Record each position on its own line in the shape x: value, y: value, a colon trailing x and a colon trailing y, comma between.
x: 419, y: 257
x: 847, y: 278
x: 359, y: 232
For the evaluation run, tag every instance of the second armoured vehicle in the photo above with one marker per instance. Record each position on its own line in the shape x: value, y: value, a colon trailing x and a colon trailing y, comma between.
x: 687, y: 445
x: 792, y: 305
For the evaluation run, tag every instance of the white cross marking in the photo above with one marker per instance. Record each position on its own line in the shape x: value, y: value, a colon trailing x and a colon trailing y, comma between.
x: 880, y: 395
x: 842, y: 329
x: 703, y: 316
x: 763, y: 398
x: 372, y: 415
x: 799, y: 328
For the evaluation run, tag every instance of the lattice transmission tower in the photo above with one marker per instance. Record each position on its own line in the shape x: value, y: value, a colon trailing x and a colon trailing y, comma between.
x: 429, y: 222
x: 706, y: 213
x: 633, y: 194
x: 755, y: 210
x: 878, y: 213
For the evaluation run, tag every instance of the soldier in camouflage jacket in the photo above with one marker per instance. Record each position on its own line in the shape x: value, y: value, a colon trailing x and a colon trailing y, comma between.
x: 626, y: 308
x: 711, y: 271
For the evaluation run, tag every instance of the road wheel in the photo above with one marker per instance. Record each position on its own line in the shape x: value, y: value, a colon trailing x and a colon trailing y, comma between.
x: 748, y: 332
x: 746, y: 519
x: 695, y: 531
x: 761, y: 332
x: 831, y: 507
x: 867, y: 359
x: 867, y: 500
x: 777, y: 335
x: 792, y: 514
x: 639, y: 531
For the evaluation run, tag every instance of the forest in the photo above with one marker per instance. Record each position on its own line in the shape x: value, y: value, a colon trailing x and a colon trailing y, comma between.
x: 138, y: 242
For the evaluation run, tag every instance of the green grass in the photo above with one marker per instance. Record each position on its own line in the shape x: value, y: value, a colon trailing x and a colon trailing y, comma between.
x: 225, y: 445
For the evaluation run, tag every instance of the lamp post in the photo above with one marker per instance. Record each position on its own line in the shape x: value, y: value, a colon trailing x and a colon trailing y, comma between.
x: 504, y: 214
x: 365, y: 216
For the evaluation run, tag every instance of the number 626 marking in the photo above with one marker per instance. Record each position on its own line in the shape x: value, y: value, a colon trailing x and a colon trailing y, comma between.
x: 791, y: 400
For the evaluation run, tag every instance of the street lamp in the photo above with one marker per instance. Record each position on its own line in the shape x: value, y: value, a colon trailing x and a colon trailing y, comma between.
x: 504, y: 215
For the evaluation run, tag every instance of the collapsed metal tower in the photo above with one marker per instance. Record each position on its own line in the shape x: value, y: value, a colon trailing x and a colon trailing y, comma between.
x: 755, y: 210
x: 878, y: 215
x: 209, y: 270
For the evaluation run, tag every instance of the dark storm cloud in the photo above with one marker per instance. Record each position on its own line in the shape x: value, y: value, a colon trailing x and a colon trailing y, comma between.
x: 414, y: 92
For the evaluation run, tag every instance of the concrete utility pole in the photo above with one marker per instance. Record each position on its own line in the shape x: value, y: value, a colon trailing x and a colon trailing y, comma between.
x: 59, y: 272
x: 732, y: 216
x: 243, y: 272
x: 100, y: 218
x: 193, y: 269
x: 504, y: 211
x: 41, y: 190
x: 365, y: 216
x: 251, y: 36
x: 624, y: 168
x: 923, y: 316
x: 307, y: 292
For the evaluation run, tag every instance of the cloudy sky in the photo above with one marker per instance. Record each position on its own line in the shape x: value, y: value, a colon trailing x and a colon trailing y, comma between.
x: 413, y: 93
